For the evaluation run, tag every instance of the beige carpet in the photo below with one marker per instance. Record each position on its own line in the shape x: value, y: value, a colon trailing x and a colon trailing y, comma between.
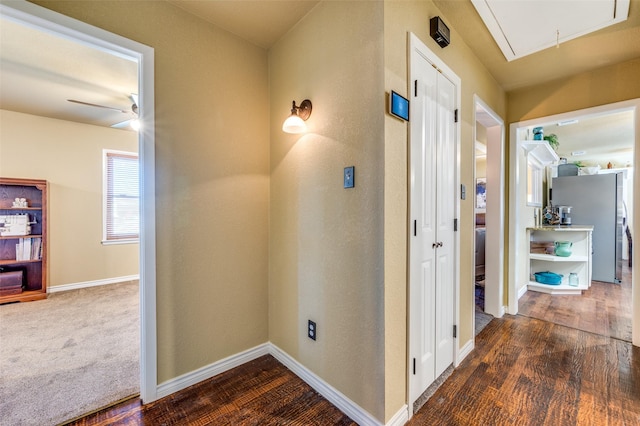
x: 70, y: 354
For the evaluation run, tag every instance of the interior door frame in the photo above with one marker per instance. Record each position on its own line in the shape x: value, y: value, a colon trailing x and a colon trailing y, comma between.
x: 495, y: 216
x: 516, y: 259
x: 46, y: 20
x: 416, y: 46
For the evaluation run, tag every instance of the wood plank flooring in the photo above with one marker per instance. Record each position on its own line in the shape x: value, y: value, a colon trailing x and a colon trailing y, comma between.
x: 530, y: 372
x: 523, y: 372
x: 603, y: 309
x: 260, y: 392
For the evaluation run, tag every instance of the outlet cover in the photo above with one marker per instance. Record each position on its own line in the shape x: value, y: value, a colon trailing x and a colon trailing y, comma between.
x: 312, y: 331
x: 349, y: 177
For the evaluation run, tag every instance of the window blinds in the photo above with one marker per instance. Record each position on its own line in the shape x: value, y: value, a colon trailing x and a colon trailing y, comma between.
x: 122, y: 197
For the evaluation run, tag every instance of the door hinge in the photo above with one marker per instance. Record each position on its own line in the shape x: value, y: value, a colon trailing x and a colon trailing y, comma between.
x: 415, y: 228
x: 455, y: 332
x: 414, y: 366
x: 415, y: 88
x: 455, y: 116
x: 455, y: 225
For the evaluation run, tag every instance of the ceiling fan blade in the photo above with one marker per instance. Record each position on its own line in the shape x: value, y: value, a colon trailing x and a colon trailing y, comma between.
x: 99, y: 106
x: 122, y: 125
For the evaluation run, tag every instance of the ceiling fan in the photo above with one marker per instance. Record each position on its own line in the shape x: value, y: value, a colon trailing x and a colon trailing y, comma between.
x: 133, y: 123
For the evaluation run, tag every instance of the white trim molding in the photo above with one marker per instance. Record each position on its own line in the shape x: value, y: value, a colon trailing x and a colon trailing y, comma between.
x: 334, y: 396
x: 522, y: 291
x: 465, y: 350
x: 208, y: 371
x: 337, y: 398
x: 400, y: 418
x: 94, y: 283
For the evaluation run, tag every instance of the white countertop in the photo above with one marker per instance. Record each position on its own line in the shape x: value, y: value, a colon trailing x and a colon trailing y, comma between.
x: 561, y: 228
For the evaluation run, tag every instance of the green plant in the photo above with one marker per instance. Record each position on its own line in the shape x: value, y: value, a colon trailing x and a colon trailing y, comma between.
x: 552, y: 139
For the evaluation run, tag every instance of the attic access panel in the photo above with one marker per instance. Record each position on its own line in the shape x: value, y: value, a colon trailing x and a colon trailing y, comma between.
x: 523, y: 27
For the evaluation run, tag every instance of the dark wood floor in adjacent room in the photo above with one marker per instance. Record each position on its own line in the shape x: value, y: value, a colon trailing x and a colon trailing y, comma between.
x: 530, y: 372
x: 605, y: 308
x: 523, y: 372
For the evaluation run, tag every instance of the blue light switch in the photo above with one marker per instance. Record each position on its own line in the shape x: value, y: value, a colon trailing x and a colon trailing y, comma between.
x: 349, y: 178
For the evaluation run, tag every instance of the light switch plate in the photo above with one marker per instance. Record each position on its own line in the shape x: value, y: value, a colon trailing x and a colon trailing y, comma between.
x: 349, y: 178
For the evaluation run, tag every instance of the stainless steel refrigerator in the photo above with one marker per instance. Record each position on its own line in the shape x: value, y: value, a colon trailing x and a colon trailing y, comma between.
x: 596, y: 200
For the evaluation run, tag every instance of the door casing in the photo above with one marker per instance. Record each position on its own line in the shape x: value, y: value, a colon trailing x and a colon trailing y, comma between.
x: 64, y: 26
x: 417, y: 50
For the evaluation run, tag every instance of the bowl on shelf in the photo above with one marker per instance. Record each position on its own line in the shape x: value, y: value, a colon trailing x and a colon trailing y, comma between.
x: 547, y: 277
x: 593, y: 170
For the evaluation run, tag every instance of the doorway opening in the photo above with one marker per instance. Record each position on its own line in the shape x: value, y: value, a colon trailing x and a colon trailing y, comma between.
x: 489, y: 213
x: 578, y: 158
x: 47, y: 21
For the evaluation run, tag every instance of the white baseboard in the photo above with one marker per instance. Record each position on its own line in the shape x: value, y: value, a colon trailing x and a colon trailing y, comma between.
x: 522, y: 291
x: 208, y: 371
x: 464, y: 351
x: 344, y: 404
x: 87, y: 284
x: 400, y: 418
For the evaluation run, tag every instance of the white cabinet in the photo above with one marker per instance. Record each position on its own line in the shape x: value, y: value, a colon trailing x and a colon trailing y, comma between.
x: 579, y: 262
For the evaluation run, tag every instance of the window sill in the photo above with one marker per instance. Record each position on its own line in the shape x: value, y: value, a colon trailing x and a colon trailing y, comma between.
x: 118, y: 242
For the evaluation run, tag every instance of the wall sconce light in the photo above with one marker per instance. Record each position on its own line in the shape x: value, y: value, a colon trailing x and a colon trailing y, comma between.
x: 299, y: 114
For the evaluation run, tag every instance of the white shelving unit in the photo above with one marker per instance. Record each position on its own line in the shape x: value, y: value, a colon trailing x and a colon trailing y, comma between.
x: 579, y: 262
x: 541, y: 150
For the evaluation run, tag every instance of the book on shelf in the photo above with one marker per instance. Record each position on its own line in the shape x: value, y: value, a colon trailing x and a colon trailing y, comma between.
x: 29, y: 249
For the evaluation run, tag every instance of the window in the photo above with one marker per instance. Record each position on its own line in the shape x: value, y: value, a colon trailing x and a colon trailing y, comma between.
x: 121, y: 197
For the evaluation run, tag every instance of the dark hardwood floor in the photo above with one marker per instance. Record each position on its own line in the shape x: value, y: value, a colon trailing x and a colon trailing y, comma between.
x: 564, y: 360
x: 530, y: 372
x: 605, y: 308
x: 523, y: 372
x: 260, y: 392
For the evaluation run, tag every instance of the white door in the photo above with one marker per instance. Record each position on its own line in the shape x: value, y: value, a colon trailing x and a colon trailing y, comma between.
x: 432, y: 239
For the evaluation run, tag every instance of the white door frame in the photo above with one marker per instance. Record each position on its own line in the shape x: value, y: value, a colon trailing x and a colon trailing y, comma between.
x: 495, y: 211
x: 46, y: 20
x: 416, y: 45
x: 517, y: 261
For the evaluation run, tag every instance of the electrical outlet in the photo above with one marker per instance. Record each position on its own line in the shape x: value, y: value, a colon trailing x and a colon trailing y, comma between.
x: 312, y: 330
x: 349, y: 178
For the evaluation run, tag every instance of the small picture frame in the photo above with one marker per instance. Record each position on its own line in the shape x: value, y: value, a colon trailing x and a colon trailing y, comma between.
x: 399, y: 106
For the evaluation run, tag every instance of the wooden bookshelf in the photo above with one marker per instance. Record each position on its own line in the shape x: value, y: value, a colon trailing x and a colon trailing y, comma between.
x: 25, y: 253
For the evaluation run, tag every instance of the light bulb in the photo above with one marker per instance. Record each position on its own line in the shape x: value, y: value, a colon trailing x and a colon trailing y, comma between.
x: 294, y: 124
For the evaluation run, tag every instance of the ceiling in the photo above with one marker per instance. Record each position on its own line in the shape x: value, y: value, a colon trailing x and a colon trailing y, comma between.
x: 611, y: 45
x: 260, y: 22
x: 521, y: 28
x: 38, y: 76
x: 597, y: 140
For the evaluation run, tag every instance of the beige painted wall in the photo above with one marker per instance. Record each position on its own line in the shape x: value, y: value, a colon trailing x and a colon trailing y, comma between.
x: 212, y: 177
x: 603, y: 86
x: 69, y: 156
x: 326, y: 242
